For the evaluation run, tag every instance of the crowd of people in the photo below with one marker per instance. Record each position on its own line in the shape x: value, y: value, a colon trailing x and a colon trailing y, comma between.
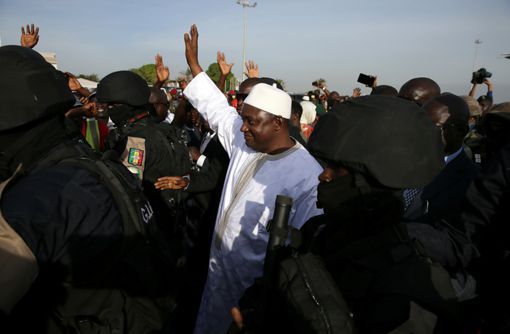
x: 128, y: 210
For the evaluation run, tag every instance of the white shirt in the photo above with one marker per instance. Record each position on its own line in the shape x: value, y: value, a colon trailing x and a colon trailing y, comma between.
x: 252, y: 183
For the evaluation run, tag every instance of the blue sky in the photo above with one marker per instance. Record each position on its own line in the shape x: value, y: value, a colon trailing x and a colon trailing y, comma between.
x: 297, y: 41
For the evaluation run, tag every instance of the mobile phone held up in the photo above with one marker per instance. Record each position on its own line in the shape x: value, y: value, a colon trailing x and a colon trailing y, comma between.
x: 367, y: 80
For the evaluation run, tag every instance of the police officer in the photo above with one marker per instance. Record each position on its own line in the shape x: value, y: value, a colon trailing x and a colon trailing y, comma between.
x: 75, y: 252
x: 373, y: 147
x: 143, y: 146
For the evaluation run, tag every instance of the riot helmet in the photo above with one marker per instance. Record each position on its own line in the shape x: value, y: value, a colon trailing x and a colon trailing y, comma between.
x: 123, y: 87
x: 384, y: 138
x: 30, y: 87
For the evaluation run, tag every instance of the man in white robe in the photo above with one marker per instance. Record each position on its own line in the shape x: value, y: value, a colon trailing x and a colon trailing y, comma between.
x: 264, y: 162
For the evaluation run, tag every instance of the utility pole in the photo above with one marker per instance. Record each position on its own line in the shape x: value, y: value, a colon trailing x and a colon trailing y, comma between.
x: 477, y: 43
x: 245, y: 4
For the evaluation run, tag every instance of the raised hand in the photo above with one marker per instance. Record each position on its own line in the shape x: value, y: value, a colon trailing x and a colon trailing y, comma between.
x: 162, y: 71
x: 489, y: 84
x: 374, y: 84
x: 191, y: 43
x: 252, y: 69
x: 225, y: 68
x: 356, y: 92
x: 72, y: 81
x: 29, y: 38
x: 75, y: 85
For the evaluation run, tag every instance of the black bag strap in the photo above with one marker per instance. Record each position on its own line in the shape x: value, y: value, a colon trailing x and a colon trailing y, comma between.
x: 127, y: 201
x: 126, y: 192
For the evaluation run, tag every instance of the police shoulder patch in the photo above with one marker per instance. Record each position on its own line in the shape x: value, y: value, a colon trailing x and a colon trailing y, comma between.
x: 135, y: 156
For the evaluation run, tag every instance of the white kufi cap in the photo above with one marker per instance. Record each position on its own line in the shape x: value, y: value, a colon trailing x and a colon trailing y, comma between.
x: 270, y: 99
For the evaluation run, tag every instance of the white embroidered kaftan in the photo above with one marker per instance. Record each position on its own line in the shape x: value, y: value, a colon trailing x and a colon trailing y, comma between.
x: 252, y: 183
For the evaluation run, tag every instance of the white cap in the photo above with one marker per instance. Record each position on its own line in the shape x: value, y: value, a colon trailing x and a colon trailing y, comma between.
x: 306, y: 98
x: 270, y: 99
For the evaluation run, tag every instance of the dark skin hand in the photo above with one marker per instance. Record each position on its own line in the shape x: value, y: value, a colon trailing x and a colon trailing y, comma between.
x: 252, y: 69
x: 225, y: 70
x: 191, y: 43
x: 162, y: 72
x: 237, y: 317
x: 171, y: 182
x: 75, y: 86
x: 30, y: 37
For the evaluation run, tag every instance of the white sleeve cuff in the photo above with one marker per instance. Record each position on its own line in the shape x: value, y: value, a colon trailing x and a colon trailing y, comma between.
x: 201, y: 160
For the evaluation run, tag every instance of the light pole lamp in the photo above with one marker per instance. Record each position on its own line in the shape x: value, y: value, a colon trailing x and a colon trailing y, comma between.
x: 245, y: 4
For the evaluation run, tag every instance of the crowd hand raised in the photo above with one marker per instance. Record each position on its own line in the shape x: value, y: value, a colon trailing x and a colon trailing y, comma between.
x: 224, y: 66
x: 191, y: 43
x: 356, y: 92
x: 30, y: 37
x: 374, y: 84
x: 162, y: 71
x: 252, y: 69
x: 488, y: 83
x: 171, y: 182
x: 75, y: 86
x: 73, y: 82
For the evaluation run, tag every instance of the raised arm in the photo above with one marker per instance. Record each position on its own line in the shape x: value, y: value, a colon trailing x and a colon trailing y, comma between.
x: 75, y: 85
x: 225, y: 70
x: 472, y: 92
x: 252, y: 69
x: 205, y: 96
x: 162, y: 72
x: 30, y: 37
x: 191, y: 43
x: 489, y: 85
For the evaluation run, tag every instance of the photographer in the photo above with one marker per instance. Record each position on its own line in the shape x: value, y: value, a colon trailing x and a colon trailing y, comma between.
x: 479, y: 77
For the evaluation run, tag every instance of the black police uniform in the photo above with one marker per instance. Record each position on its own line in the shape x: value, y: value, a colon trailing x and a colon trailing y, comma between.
x: 162, y: 158
x: 71, y: 222
x: 84, y: 228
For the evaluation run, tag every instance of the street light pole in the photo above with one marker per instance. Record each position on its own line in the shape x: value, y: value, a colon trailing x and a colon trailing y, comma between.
x: 245, y: 4
x: 477, y: 42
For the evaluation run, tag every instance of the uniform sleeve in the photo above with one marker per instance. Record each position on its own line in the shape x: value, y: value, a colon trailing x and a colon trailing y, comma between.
x: 203, y: 94
x: 305, y: 207
x: 484, y: 197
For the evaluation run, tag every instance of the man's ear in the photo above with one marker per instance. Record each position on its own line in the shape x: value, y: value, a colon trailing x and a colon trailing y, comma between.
x: 278, y: 123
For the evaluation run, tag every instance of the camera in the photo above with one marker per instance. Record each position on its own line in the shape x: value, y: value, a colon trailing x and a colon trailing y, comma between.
x: 480, y: 75
x: 319, y: 83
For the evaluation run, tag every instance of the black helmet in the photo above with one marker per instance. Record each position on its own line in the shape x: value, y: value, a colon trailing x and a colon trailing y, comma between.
x: 388, y: 138
x: 30, y: 87
x: 123, y: 87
